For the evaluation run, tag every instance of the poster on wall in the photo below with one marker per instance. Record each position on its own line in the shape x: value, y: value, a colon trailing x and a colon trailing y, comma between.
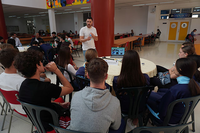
x: 62, y: 3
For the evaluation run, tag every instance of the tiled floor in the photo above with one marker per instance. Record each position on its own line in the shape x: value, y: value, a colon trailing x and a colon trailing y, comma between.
x: 163, y: 53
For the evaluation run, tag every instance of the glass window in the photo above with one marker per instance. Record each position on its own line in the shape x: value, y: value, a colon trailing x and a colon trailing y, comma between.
x: 164, y: 12
x: 175, y: 11
x: 186, y: 10
x: 196, y: 9
x: 165, y: 17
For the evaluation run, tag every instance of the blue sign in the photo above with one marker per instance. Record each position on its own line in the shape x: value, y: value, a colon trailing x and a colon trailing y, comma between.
x: 181, y: 15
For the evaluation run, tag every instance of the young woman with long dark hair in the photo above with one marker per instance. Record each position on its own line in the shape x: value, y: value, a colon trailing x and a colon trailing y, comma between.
x: 185, y: 69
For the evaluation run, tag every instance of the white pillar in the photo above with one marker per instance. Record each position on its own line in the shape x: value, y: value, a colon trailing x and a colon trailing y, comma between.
x: 78, y: 20
x: 52, y: 20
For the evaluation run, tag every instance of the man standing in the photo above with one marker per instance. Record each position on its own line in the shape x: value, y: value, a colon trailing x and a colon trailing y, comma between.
x: 88, y: 35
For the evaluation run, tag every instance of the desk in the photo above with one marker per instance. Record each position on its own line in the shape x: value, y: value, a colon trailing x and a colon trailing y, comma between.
x: 144, y: 36
x: 147, y: 67
x: 197, y: 44
x: 120, y: 42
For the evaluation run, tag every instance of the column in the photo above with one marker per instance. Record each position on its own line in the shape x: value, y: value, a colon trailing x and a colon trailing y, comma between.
x: 3, y: 31
x: 52, y: 20
x: 103, y: 15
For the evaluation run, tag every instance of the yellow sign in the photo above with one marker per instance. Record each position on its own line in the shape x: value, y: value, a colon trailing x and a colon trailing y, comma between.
x: 63, y: 3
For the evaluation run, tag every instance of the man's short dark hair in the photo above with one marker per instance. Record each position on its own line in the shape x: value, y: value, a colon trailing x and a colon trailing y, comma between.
x: 12, y: 42
x: 7, y: 56
x: 35, y: 42
x: 90, y: 18
x: 53, y: 32
x: 1, y: 37
x: 97, y: 69
x: 25, y: 62
x: 12, y: 33
x: 62, y: 36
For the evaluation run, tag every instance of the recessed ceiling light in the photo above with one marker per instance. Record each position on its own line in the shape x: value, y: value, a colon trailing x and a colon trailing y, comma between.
x: 59, y: 13
x: 85, y: 7
x: 80, y: 11
x: 139, y: 5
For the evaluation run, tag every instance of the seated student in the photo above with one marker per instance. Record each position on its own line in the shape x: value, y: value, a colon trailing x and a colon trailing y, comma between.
x: 4, y: 46
x: 35, y: 47
x: 169, y: 78
x: 64, y: 58
x: 62, y: 40
x: 1, y: 40
x: 89, y: 55
x: 67, y: 38
x: 54, y: 35
x: 10, y: 80
x: 130, y: 76
x: 45, y: 47
x: 39, y: 93
x: 12, y: 42
x: 36, y: 38
x: 52, y: 43
x: 95, y: 104
x: 186, y: 87
x: 68, y: 44
x: 158, y: 33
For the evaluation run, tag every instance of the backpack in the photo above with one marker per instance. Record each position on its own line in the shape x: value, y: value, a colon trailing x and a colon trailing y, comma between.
x: 190, y: 38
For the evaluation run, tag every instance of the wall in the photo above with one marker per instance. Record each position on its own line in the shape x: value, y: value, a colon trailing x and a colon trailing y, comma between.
x: 65, y: 22
x: 151, y: 19
x: 26, y: 3
x: 127, y: 18
x: 41, y: 23
x: 17, y: 22
x: 78, y: 20
x: 194, y: 23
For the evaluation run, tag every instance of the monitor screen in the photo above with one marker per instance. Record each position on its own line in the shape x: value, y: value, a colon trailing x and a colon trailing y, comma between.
x: 117, y: 51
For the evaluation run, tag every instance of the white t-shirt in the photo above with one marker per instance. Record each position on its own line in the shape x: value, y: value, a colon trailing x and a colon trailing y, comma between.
x: 10, y: 82
x: 71, y: 70
x: 17, y: 42
x: 70, y: 40
x: 85, y: 32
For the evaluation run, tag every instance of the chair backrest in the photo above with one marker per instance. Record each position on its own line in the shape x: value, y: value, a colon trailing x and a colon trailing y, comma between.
x: 189, y: 105
x: 121, y: 37
x: 9, y: 96
x: 62, y: 71
x: 82, y: 82
x: 137, y: 96
x: 76, y: 42
x: 34, y: 113
x: 164, y: 129
x: 61, y: 130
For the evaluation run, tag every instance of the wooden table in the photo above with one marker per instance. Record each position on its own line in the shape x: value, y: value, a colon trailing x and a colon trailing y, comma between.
x: 197, y: 44
x: 120, y: 42
x: 144, y: 36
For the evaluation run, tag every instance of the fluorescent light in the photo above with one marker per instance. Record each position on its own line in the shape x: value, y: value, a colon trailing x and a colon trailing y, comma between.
x: 65, y: 12
x: 18, y: 17
x: 42, y: 12
x: 139, y: 5
x: 174, y: 9
x: 167, y: 2
x: 87, y: 10
x: 12, y: 16
x: 59, y: 13
x: 177, y: 11
x: 26, y: 14
x: 85, y: 7
x: 195, y: 16
x: 67, y: 9
x: 152, y: 4
x: 80, y: 11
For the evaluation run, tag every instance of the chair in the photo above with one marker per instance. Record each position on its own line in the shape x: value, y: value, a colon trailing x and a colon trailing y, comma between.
x: 138, y: 43
x: 120, y: 37
x: 165, y: 129
x: 10, y: 98
x: 189, y: 105
x: 82, y: 82
x: 137, y: 97
x: 148, y: 40
x: 126, y: 46
x: 70, y: 76
x: 33, y: 112
x: 62, y: 130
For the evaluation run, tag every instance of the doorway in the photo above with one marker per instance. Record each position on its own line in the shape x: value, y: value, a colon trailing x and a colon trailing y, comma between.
x: 178, y: 30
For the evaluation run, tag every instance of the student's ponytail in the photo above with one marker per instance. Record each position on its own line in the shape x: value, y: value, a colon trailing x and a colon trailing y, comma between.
x: 194, y: 87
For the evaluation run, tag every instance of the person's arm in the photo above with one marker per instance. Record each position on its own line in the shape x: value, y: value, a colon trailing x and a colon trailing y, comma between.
x: 84, y: 40
x: 71, y: 69
x: 117, y: 121
x: 74, y: 64
x: 67, y: 88
x: 95, y: 37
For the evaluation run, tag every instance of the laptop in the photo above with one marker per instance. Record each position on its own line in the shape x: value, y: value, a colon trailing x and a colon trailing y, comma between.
x: 117, y: 52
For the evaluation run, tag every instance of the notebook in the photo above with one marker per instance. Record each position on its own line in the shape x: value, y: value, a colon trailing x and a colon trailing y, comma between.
x: 117, y: 52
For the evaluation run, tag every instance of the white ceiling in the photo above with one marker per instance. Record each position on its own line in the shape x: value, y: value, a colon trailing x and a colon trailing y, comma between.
x: 18, y: 11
